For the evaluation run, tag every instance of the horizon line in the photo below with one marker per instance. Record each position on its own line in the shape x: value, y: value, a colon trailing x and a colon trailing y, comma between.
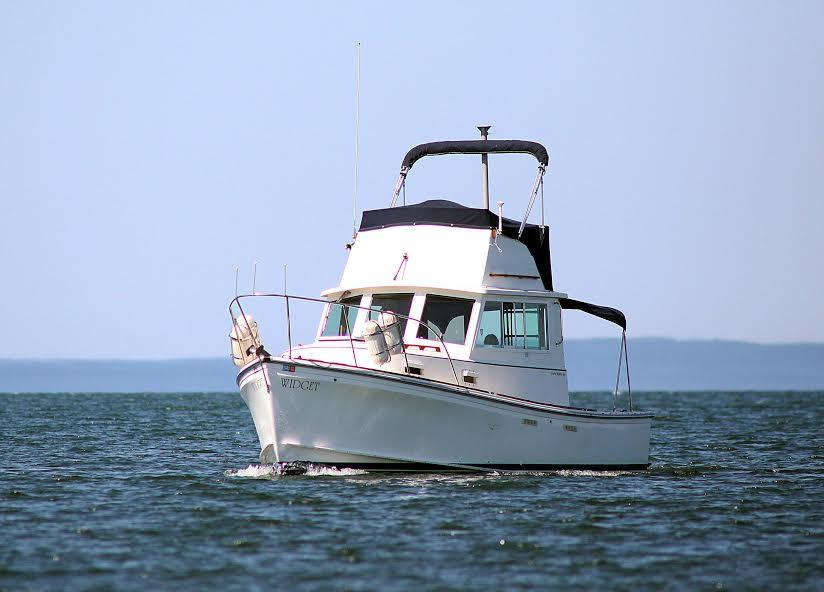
x: 573, y: 339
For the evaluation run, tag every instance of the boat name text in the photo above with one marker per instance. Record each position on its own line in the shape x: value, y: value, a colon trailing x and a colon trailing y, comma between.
x: 297, y: 383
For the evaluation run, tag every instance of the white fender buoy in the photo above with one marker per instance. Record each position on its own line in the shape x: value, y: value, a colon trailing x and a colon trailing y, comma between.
x: 245, y: 340
x: 373, y: 335
x: 391, y: 326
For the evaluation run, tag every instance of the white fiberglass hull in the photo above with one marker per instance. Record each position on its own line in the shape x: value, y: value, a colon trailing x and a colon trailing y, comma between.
x: 325, y: 415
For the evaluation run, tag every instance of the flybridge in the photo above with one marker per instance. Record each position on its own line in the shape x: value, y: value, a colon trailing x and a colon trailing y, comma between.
x: 439, y: 212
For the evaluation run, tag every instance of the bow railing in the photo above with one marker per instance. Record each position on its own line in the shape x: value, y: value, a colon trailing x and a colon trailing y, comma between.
x: 236, y: 311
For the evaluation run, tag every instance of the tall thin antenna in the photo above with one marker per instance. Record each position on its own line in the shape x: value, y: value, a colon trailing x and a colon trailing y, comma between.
x: 236, y: 271
x: 357, y: 139
x: 254, y: 277
x: 285, y: 273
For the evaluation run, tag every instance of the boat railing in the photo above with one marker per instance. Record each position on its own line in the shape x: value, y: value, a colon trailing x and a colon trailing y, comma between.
x: 236, y: 303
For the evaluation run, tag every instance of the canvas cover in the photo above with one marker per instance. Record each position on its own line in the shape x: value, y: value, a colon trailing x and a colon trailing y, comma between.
x: 476, y: 147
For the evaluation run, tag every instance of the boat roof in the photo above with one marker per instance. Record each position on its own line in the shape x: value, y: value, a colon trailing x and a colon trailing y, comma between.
x: 441, y: 212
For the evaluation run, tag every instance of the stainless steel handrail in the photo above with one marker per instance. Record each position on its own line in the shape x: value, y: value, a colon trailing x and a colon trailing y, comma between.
x: 236, y: 301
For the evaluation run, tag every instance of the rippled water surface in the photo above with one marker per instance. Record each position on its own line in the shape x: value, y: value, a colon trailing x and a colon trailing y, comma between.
x: 151, y: 491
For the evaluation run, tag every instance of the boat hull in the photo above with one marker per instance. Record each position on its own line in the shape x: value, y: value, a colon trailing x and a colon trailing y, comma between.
x: 364, y: 419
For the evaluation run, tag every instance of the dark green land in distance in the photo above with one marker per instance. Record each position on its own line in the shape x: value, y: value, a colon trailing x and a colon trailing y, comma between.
x: 655, y: 364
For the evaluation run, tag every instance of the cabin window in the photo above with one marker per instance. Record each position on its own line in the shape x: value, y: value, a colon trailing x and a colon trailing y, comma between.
x: 489, y: 326
x: 535, y: 336
x: 446, y: 316
x: 341, y: 318
x: 397, y: 303
x: 521, y: 325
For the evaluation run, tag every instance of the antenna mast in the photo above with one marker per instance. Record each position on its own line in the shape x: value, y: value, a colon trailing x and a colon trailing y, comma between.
x: 484, y: 129
x: 357, y: 139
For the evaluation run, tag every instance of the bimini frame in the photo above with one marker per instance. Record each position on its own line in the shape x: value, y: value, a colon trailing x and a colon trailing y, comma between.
x: 482, y: 147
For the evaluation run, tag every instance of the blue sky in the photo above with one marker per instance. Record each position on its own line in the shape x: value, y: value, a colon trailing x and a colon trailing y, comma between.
x: 148, y: 148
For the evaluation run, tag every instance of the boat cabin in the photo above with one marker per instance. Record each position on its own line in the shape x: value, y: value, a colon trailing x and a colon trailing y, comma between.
x: 466, y: 295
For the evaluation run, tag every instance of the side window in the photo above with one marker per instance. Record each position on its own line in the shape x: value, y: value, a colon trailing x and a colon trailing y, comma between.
x: 535, y: 326
x: 489, y: 326
x: 513, y: 321
x: 513, y: 324
x: 398, y: 303
x: 341, y: 318
x: 447, y: 316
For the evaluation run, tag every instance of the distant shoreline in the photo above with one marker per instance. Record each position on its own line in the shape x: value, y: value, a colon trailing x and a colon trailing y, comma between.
x: 657, y: 364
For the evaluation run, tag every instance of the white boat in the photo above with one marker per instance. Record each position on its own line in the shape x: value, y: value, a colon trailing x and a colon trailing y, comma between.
x: 441, y: 349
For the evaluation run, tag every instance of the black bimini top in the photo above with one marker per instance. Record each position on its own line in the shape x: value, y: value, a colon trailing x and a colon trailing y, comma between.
x: 476, y: 147
x: 440, y: 212
x: 613, y: 315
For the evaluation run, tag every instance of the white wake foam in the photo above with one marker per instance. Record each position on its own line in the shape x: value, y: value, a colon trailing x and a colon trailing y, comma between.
x: 314, y: 471
x: 588, y: 473
x: 272, y: 471
x: 254, y: 472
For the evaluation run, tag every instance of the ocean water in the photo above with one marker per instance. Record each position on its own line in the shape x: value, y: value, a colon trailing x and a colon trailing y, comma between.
x: 151, y: 491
